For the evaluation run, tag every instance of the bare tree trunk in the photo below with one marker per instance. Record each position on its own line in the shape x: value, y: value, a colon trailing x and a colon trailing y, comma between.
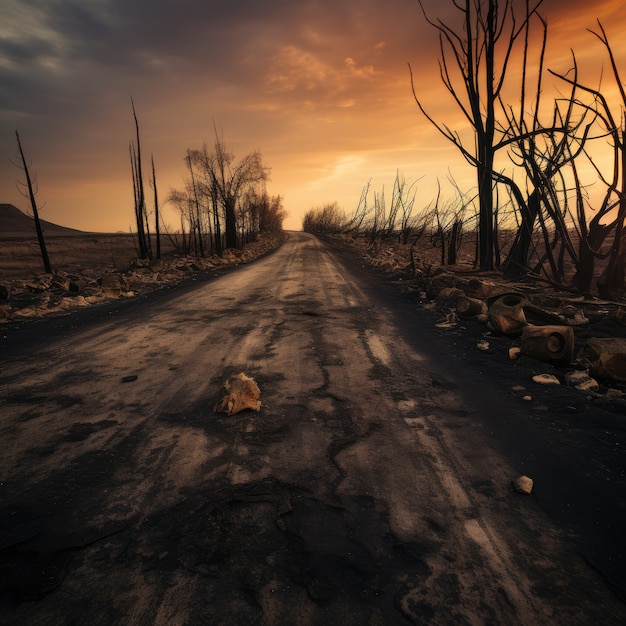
x: 230, y: 222
x: 156, y: 213
x: 140, y: 197
x: 33, y: 204
x: 454, y: 241
x: 516, y: 263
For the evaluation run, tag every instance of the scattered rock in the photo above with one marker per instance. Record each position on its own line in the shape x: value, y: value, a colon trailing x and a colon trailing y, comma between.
x: 39, y: 284
x: 25, y: 313
x: 238, y: 393
x: 483, y: 345
x: 439, y: 282
x: 523, y: 484
x: 130, y: 379
x: 76, y: 285
x: 140, y: 263
x: 527, y: 398
x: 46, y: 294
x: 615, y: 393
x: 111, y: 285
x: 449, y: 296
x: 581, y: 380
x: 574, y: 316
x: 450, y: 321
x: 515, y: 353
x: 546, y: 379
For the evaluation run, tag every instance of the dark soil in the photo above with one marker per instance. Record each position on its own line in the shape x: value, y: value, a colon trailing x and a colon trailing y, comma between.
x: 571, y: 443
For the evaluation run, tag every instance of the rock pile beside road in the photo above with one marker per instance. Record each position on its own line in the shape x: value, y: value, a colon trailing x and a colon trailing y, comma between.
x: 60, y: 292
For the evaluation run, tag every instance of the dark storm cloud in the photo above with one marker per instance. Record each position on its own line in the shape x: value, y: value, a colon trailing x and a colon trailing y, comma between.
x: 320, y: 86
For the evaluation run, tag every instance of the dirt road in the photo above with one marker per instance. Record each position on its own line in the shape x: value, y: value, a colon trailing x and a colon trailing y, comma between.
x: 366, y: 491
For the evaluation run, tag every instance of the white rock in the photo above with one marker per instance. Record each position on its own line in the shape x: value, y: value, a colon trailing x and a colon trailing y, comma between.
x: 546, y: 379
x: 515, y: 353
x: 582, y: 381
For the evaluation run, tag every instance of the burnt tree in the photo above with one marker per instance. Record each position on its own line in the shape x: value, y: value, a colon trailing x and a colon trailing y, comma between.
x: 30, y: 193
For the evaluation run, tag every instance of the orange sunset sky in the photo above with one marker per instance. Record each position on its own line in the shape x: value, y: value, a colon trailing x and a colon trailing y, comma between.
x: 320, y: 87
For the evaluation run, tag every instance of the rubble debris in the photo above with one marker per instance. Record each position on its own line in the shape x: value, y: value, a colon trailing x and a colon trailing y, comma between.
x: 111, y: 285
x: 506, y: 313
x: 239, y: 392
x: 540, y: 317
x: 605, y: 357
x: 523, y: 484
x: 483, y: 345
x: 614, y: 393
x: 30, y: 298
x: 450, y: 321
x: 470, y: 307
x: 515, y: 353
x: 449, y: 296
x: 581, y: 380
x: 440, y: 281
x: 510, y: 313
x: 552, y: 344
x: 546, y: 379
x: 574, y: 316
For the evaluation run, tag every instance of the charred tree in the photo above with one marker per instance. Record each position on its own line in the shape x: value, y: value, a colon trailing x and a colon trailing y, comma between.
x: 157, y: 227
x: 480, y: 50
x: 610, y: 218
x: 33, y: 203
x: 143, y: 243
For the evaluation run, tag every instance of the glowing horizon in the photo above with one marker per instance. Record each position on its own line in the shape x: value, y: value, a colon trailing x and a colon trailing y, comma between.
x: 324, y: 95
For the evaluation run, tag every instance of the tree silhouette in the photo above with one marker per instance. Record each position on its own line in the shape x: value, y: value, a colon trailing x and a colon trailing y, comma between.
x: 30, y: 193
x: 480, y: 51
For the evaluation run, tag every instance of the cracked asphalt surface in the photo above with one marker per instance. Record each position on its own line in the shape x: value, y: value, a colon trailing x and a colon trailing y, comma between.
x: 369, y: 489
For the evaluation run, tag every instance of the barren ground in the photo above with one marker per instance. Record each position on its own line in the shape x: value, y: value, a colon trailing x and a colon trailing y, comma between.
x: 373, y: 487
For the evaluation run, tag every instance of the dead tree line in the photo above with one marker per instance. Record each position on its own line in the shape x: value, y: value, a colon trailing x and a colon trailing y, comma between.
x: 529, y: 164
x: 224, y: 203
x: 442, y: 223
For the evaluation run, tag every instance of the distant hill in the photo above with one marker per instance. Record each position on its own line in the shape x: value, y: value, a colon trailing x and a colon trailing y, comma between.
x: 15, y: 223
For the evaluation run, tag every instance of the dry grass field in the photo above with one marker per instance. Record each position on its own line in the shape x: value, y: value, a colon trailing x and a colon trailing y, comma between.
x: 20, y: 257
